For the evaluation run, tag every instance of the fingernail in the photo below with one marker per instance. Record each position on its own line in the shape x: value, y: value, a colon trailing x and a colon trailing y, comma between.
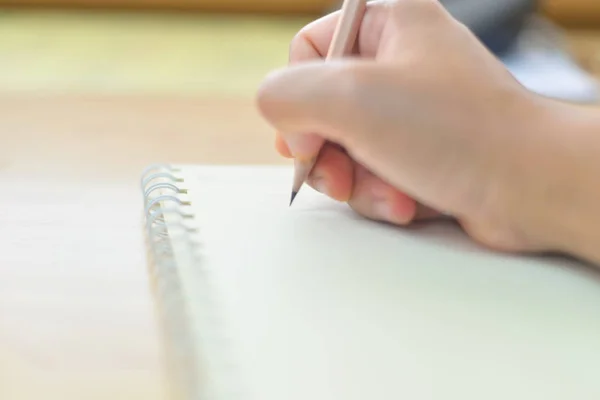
x: 383, y: 210
x: 320, y: 185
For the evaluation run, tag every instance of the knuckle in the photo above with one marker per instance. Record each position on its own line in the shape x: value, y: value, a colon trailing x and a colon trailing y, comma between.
x: 295, y: 45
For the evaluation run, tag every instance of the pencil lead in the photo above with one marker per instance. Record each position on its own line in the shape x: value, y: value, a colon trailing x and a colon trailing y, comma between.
x: 294, y: 194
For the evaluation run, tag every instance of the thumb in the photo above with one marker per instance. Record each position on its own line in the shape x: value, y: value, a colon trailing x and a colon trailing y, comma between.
x: 312, y: 102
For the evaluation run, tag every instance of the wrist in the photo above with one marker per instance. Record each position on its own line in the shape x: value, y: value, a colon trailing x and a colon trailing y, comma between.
x: 555, y: 195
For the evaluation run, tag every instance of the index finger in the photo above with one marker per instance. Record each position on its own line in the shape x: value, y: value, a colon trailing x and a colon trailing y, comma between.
x: 313, y: 41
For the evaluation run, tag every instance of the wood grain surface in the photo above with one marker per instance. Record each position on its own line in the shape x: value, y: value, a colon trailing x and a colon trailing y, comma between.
x: 76, y: 312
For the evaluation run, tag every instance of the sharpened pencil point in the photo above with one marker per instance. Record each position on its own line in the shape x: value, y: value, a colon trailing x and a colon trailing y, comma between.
x: 294, y: 194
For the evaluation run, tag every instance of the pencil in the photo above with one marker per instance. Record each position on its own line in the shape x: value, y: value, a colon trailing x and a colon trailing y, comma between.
x: 342, y: 43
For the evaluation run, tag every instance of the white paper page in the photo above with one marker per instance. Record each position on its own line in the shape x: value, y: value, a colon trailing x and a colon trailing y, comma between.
x: 316, y: 303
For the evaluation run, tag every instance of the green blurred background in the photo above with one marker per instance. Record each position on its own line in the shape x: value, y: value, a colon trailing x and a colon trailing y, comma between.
x: 102, y: 51
x: 162, y: 51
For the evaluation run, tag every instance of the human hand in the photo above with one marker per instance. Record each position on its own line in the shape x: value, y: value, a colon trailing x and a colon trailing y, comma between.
x: 423, y: 118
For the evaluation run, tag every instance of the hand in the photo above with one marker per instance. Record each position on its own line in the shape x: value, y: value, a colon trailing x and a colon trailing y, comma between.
x: 423, y: 114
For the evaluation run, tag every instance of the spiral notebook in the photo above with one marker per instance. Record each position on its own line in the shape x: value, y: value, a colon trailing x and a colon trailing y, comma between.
x: 260, y: 301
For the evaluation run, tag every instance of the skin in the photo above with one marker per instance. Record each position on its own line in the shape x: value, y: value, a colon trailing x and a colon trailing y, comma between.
x: 424, y: 120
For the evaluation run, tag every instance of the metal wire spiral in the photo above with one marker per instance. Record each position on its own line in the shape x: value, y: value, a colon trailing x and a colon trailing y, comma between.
x: 167, y: 224
x: 161, y: 191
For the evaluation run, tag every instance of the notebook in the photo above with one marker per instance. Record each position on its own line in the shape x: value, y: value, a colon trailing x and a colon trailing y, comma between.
x: 262, y: 301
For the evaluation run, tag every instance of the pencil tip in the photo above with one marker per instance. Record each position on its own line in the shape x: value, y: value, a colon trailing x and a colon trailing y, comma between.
x: 294, y: 194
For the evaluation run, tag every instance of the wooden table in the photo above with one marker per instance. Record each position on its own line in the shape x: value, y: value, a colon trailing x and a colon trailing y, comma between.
x: 76, y: 313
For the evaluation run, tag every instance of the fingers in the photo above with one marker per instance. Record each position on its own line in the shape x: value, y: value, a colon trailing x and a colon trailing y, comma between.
x: 348, y: 103
x: 340, y: 100
x: 339, y: 177
x: 313, y: 41
x: 336, y: 173
x: 333, y: 173
x: 282, y: 147
x: 377, y: 200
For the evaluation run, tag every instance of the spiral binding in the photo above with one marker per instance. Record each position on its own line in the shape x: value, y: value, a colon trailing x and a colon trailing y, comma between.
x: 164, y: 196
x: 160, y: 186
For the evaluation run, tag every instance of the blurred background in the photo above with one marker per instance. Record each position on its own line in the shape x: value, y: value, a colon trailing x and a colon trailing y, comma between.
x: 191, y: 46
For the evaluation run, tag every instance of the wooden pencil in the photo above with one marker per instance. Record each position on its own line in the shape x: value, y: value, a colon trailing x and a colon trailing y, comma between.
x: 342, y: 43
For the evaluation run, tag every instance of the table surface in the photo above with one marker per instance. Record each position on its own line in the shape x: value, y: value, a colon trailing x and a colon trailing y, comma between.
x: 76, y: 311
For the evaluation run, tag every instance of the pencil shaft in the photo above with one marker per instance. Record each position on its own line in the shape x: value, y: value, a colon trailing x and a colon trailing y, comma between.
x: 345, y: 35
x: 342, y: 43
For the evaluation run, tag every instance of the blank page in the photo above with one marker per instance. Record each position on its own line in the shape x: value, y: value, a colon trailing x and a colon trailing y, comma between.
x: 314, y: 302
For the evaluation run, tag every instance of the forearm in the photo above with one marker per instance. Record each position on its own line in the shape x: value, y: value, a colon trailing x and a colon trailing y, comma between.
x: 566, y: 160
